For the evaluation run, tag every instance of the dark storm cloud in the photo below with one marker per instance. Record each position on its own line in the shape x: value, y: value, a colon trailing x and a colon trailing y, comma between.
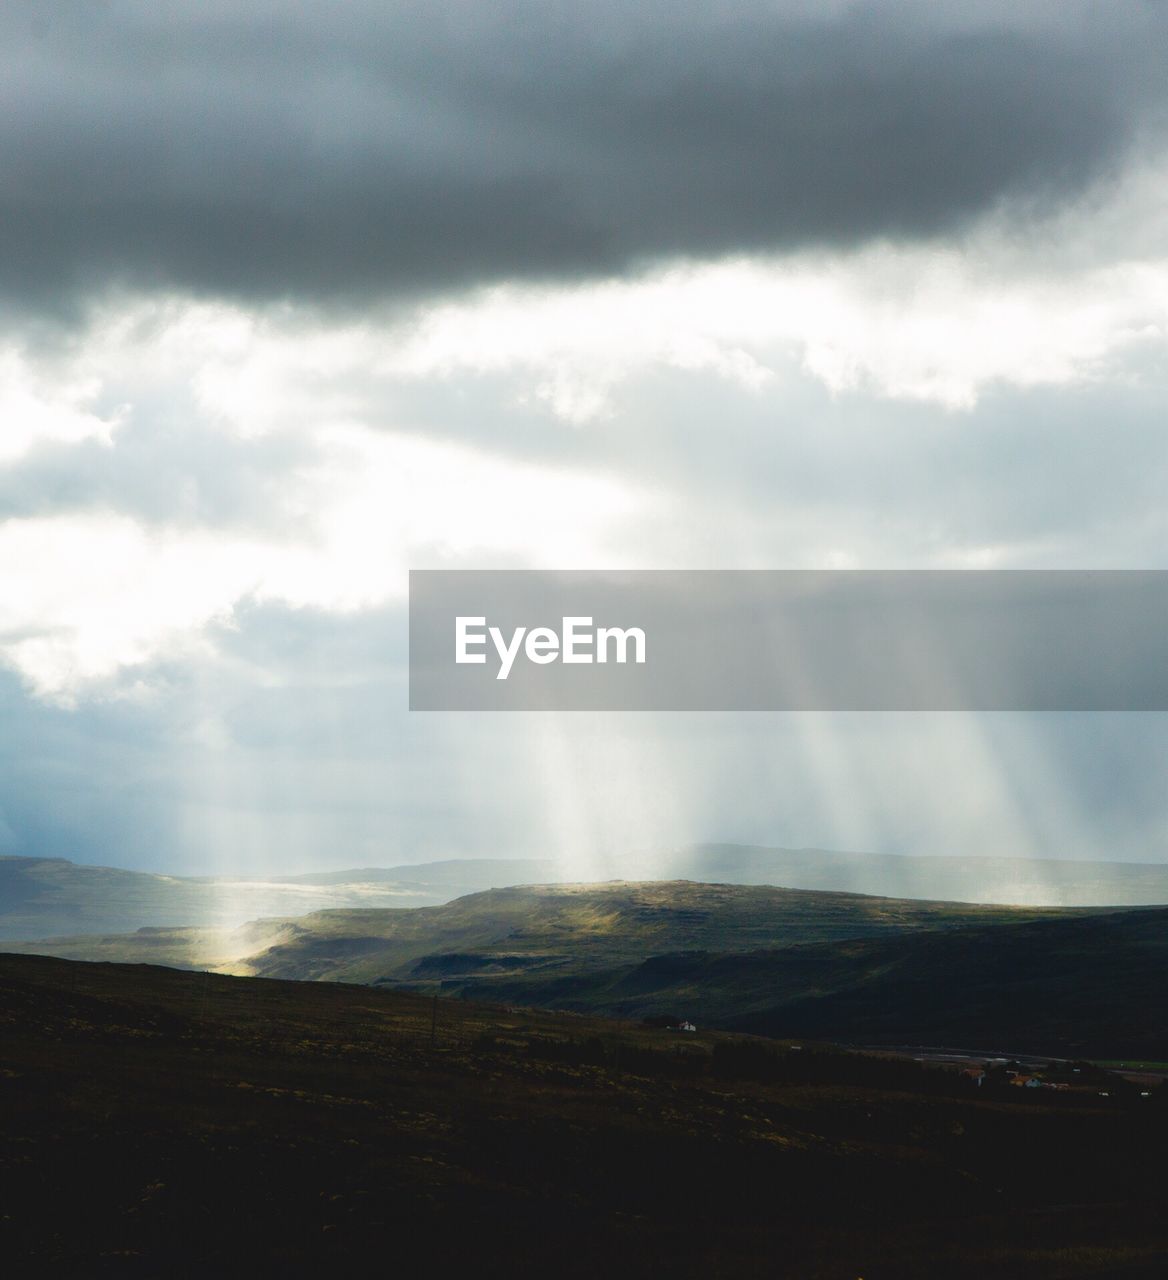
x: 332, y: 152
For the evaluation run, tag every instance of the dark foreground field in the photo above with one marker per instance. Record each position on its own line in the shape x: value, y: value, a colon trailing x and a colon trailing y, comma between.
x: 162, y: 1123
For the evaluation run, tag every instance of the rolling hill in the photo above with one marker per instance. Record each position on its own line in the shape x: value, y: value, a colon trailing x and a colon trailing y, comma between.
x: 1036, y: 882
x: 581, y: 927
x: 1089, y: 986
x: 771, y: 961
x: 787, y: 962
x: 537, y: 928
x: 1022, y: 881
x: 52, y: 897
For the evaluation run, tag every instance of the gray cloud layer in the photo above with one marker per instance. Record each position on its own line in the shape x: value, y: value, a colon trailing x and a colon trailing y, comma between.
x: 328, y: 152
x: 337, y: 152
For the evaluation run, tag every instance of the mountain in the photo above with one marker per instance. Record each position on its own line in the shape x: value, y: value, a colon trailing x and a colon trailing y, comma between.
x: 771, y: 961
x: 52, y: 897
x: 456, y: 876
x: 1032, y: 882
x: 1022, y: 881
x: 786, y: 962
x: 545, y: 928
x: 588, y: 926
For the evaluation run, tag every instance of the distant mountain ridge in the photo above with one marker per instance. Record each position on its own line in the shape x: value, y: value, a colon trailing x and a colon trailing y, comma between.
x: 568, y: 928
x: 1033, y: 882
x: 783, y: 962
x: 52, y: 897
x: 1045, y: 882
x: 457, y: 873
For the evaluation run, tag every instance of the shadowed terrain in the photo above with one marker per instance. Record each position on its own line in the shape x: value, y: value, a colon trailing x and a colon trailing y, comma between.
x: 165, y: 1123
x: 778, y: 962
x: 1091, y: 985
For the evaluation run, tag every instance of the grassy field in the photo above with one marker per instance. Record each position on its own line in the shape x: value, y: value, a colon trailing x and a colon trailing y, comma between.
x: 166, y: 1123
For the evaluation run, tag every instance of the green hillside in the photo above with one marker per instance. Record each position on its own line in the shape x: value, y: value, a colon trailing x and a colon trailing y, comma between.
x: 536, y: 929
x: 556, y: 929
x: 55, y: 898
x: 1087, y: 986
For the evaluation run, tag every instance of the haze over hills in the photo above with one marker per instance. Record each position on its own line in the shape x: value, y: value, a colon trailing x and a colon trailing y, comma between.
x: 52, y: 897
x: 1036, y: 882
x: 1021, y: 881
x: 582, y: 927
x: 460, y: 875
x: 772, y: 961
x: 536, y: 928
x: 758, y: 958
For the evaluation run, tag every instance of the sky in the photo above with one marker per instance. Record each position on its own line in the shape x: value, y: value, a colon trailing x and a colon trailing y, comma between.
x: 296, y: 298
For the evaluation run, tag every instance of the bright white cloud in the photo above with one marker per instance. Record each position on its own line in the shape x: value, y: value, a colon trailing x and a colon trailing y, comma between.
x: 40, y: 407
x: 87, y: 595
x: 337, y: 520
x: 906, y: 324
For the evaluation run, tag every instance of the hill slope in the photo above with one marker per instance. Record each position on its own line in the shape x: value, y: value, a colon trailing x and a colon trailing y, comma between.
x: 1023, y: 881
x: 579, y: 928
x: 1084, y: 986
x: 774, y: 961
x: 161, y: 1123
x: 545, y: 928
x: 52, y: 897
